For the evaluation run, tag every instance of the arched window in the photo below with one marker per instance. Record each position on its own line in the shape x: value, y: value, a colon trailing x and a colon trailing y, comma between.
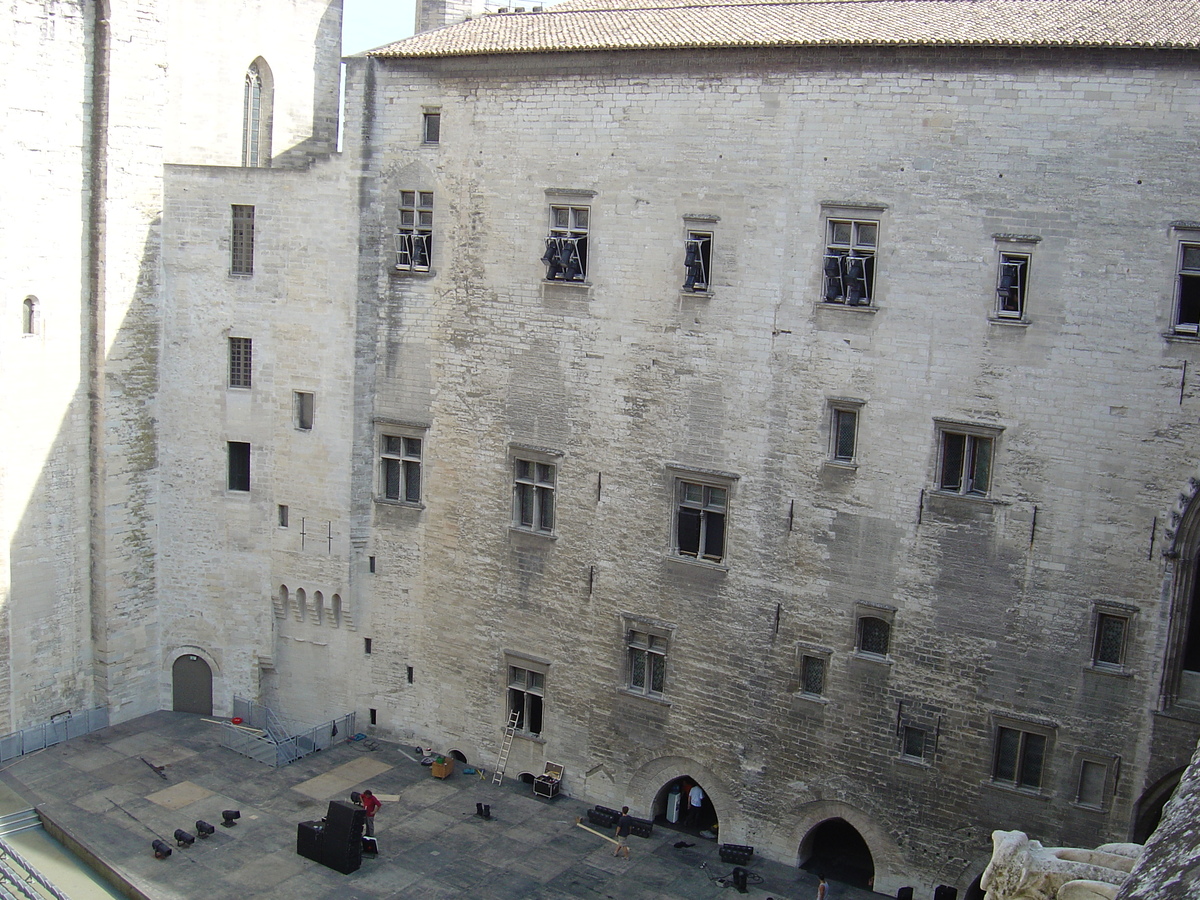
x: 336, y: 610
x: 29, y: 315
x: 256, y: 115
x: 319, y: 607
x: 301, y: 605
x: 284, y: 601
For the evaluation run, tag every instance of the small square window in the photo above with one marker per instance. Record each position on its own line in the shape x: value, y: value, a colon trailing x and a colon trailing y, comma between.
x: 1187, y: 290
x: 533, y: 495
x: 1108, y: 648
x: 965, y: 459
x: 400, y: 467
x: 913, y: 743
x: 239, y: 466
x: 697, y: 261
x: 414, y: 239
x: 242, y: 244
x: 647, y: 663
x: 431, y: 126
x: 1011, y: 278
x: 566, y: 253
x: 240, y: 362
x: 874, y: 636
x: 849, y: 263
x: 812, y: 675
x: 1019, y: 758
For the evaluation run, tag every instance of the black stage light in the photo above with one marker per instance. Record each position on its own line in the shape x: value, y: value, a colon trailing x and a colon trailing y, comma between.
x: 183, y: 839
x: 230, y: 817
x: 161, y: 849
x: 203, y: 829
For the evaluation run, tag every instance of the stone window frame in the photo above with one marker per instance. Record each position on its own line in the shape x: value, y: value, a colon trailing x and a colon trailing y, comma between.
x: 974, y: 433
x: 1185, y: 280
x: 516, y: 661
x: 304, y: 408
x: 573, y: 228
x: 699, y: 242
x: 681, y: 476
x: 1112, y: 768
x: 1013, y: 259
x: 807, y: 654
x: 839, y: 408
x: 533, y: 487
x: 907, y: 729
x: 413, y: 240
x: 431, y: 126
x: 1108, y: 610
x: 864, y: 610
x: 1023, y: 727
x: 834, y: 288
x: 652, y: 630
x: 389, y: 458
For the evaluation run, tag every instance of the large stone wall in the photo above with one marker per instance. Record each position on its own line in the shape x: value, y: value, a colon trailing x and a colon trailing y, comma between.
x: 993, y: 601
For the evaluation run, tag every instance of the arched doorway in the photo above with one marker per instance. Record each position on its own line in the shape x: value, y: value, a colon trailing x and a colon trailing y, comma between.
x: 191, y: 685
x: 673, y: 808
x: 836, y: 850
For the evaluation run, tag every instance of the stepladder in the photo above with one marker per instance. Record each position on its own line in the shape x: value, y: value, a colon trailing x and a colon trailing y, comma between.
x: 505, y: 746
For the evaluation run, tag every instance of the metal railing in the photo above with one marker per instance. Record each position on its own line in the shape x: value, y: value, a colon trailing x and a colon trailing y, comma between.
x: 279, y: 741
x: 47, y: 734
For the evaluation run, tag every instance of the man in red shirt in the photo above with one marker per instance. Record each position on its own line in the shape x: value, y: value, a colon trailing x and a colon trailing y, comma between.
x: 370, y: 804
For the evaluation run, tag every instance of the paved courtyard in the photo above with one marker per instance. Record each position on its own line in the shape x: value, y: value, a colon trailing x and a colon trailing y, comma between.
x: 102, y: 791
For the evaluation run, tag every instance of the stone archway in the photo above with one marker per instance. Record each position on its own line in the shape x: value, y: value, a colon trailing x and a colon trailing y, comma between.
x: 650, y: 784
x: 1150, y: 805
x: 835, y: 849
x: 191, y: 685
x: 890, y: 868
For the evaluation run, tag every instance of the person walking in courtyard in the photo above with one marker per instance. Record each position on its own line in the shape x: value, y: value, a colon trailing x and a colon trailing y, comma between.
x: 623, y: 825
x: 822, y: 888
x: 371, y: 804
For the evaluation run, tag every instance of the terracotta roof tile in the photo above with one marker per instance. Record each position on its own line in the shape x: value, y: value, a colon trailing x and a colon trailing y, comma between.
x: 580, y: 25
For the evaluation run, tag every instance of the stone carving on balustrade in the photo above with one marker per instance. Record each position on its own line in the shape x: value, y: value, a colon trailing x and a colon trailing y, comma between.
x: 1022, y: 869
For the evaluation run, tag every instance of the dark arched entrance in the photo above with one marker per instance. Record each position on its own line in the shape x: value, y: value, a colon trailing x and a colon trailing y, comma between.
x: 671, y: 808
x: 1150, y: 806
x: 191, y: 685
x: 836, y: 850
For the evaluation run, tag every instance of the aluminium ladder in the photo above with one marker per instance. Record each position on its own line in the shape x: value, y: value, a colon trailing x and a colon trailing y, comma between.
x: 498, y: 775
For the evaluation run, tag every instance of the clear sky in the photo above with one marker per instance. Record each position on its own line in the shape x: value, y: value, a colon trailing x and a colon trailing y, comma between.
x: 367, y: 24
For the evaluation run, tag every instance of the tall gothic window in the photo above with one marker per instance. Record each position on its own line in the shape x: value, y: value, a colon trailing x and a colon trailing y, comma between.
x: 256, y: 115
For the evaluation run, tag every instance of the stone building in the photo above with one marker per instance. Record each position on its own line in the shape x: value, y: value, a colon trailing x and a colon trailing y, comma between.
x: 797, y: 398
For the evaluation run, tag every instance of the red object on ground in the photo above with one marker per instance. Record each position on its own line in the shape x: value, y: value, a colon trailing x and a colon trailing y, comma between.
x: 236, y: 720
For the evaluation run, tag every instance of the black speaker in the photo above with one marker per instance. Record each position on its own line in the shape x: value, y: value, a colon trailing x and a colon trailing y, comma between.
x: 344, y: 822
x: 308, y: 840
x: 945, y: 892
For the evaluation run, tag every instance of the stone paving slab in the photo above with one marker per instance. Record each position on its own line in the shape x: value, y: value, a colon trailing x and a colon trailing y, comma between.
x: 432, y: 845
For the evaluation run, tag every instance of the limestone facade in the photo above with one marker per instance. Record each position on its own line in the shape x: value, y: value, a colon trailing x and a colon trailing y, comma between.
x: 474, y: 488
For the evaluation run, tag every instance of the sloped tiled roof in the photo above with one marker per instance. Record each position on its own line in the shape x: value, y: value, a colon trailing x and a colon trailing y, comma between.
x: 580, y: 25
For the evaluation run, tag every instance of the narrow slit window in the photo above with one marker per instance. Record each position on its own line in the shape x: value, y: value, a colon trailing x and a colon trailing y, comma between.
x: 242, y: 247
x: 241, y: 358
x: 239, y: 466
x: 305, y: 402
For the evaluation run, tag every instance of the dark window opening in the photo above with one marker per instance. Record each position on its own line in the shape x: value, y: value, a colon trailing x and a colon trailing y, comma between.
x: 304, y: 410
x: 845, y: 427
x: 1010, y: 285
x: 401, y: 464
x: 700, y: 521
x: 414, y: 241
x: 371, y: 564
x: 374, y: 716
x: 239, y: 466
x: 874, y: 635
x: 914, y: 742
x: 1187, y: 319
x: 283, y: 516
x: 1019, y: 758
x: 367, y: 646
x: 966, y: 464
x: 812, y: 675
x: 525, y: 690
x: 533, y: 495
x: 697, y: 261
x: 1109, y: 649
x: 647, y: 663
x: 431, y: 127
x: 410, y: 674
